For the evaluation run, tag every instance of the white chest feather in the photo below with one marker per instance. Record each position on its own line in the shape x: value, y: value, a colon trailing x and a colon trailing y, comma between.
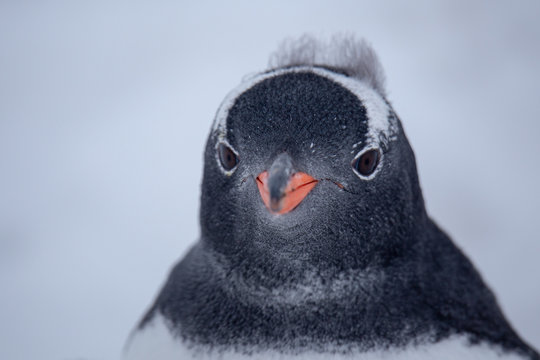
x: 156, y: 342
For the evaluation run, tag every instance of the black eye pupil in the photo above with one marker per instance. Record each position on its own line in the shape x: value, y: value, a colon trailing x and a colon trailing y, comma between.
x: 367, y: 162
x: 227, y: 157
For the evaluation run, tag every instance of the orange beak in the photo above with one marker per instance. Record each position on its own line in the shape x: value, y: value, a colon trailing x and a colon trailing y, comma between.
x: 297, y: 188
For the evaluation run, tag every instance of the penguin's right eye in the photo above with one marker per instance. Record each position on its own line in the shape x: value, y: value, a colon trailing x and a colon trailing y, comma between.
x: 227, y: 157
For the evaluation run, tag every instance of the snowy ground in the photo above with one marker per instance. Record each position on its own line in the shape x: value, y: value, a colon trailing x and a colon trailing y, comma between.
x: 105, y: 107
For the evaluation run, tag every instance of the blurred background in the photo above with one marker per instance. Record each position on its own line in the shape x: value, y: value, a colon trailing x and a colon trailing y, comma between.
x: 104, y: 111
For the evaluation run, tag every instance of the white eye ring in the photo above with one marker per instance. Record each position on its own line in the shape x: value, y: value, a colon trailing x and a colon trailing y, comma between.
x: 226, y: 157
x: 367, y: 163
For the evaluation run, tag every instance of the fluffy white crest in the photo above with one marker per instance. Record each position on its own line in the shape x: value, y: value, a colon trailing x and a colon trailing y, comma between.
x: 344, y: 53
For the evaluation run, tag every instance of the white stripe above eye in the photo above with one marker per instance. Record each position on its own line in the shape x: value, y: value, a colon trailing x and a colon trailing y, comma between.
x: 381, y: 126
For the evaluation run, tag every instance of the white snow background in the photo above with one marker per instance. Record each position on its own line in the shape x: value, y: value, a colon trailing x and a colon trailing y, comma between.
x: 104, y: 111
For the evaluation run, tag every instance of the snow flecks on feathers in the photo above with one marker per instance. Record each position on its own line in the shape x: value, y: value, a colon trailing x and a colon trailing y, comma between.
x: 348, y: 54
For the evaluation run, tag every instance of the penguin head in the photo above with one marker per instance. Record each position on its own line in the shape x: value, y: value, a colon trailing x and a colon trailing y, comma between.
x: 307, y: 164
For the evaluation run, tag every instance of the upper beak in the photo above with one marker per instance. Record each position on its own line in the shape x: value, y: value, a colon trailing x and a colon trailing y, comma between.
x: 282, y: 189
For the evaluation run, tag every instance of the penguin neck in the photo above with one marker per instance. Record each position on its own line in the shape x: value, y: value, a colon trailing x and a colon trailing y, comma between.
x: 289, y: 289
x: 283, y: 280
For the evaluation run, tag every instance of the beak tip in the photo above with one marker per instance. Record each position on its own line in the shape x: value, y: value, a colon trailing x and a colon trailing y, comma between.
x: 275, y: 205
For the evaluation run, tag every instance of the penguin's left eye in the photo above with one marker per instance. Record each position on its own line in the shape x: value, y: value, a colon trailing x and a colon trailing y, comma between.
x: 367, y: 163
x: 227, y: 157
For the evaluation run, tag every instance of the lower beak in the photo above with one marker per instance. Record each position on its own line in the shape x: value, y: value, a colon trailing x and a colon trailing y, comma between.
x: 296, y: 189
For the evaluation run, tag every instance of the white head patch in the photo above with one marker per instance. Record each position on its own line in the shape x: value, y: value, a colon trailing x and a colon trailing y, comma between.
x: 382, y: 126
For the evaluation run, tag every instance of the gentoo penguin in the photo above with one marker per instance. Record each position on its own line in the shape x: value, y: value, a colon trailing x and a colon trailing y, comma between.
x: 315, y: 242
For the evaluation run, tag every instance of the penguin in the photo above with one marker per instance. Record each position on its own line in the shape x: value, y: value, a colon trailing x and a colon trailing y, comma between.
x: 315, y: 242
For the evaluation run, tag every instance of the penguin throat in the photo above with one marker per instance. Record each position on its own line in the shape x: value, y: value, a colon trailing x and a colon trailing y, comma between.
x: 312, y: 285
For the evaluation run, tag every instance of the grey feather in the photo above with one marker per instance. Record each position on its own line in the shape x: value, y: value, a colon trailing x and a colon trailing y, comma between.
x: 345, y: 53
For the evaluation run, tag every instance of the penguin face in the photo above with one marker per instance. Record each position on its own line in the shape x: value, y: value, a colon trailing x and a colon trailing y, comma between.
x: 308, y: 165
